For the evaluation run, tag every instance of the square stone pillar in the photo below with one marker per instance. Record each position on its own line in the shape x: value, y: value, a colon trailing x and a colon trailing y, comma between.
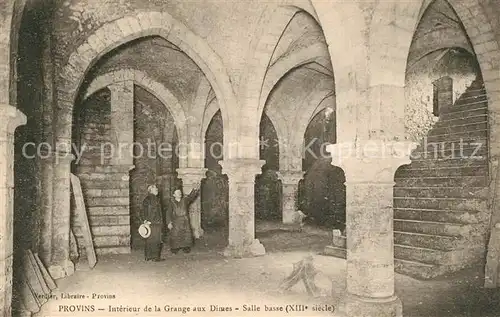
x: 290, y: 188
x: 60, y: 264
x: 11, y: 118
x: 191, y: 178
x: 122, y: 122
x: 241, y: 176
x: 369, y: 168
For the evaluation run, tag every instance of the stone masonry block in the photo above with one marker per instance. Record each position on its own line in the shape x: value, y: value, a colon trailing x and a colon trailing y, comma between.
x: 108, y: 210
x: 134, y: 24
x: 111, y: 230
x: 96, y: 43
x: 157, y: 21
x: 144, y: 20
x: 124, y: 27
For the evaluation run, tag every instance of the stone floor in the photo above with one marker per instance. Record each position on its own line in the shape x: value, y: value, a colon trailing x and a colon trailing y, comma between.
x: 203, y: 278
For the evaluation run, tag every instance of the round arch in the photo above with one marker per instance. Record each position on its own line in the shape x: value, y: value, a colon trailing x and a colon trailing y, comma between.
x: 130, y: 28
x: 149, y: 84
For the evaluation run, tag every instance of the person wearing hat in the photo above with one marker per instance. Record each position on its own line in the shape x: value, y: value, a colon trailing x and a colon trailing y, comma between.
x: 151, y: 216
x: 178, y: 222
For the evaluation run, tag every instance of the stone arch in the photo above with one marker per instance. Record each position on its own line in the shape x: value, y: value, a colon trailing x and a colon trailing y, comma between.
x: 272, y: 25
x: 279, y: 123
x: 471, y: 14
x: 314, y: 106
x: 209, y: 113
x: 284, y: 65
x: 149, y: 84
x: 10, y: 29
x: 120, y: 31
x: 481, y: 35
x: 344, y: 31
x: 391, y: 33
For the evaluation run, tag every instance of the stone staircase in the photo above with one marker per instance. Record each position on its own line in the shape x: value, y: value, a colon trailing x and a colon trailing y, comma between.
x: 106, y: 195
x: 105, y: 189
x: 441, y: 199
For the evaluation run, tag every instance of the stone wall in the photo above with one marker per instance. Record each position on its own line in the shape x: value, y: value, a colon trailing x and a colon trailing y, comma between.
x: 458, y: 65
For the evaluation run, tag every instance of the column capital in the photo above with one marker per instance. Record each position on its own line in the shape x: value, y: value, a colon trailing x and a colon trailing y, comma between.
x: 191, y: 174
x: 290, y: 177
x: 371, y: 161
x: 11, y: 117
x: 242, y: 169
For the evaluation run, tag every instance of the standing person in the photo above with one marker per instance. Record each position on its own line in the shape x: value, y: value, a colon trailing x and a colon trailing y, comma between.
x: 180, y: 235
x: 152, y: 214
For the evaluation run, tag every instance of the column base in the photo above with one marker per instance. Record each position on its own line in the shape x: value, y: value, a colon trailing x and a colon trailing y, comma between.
x: 59, y: 271
x: 291, y: 217
x: 355, y: 306
x: 245, y: 251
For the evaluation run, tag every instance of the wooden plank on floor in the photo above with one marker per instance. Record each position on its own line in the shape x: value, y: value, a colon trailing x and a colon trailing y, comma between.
x: 38, y: 273
x: 83, y: 220
x: 46, y: 275
x: 491, y: 274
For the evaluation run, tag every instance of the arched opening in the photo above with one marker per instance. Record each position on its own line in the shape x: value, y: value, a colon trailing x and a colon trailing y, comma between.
x: 322, y: 191
x: 267, y: 184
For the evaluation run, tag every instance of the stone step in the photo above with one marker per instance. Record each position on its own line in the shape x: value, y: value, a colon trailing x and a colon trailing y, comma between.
x: 470, y: 204
x: 108, y: 210
x: 417, y: 269
x: 86, y: 159
x: 433, y: 228
x: 475, y: 110
x: 429, y: 256
x: 117, y: 230
x: 106, y: 201
x: 116, y: 241
x: 109, y: 220
x: 470, y: 101
x: 443, y: 171
x: 104, y: 184
x: 116, y: 192
x: 444, y: 243
x: 104, y: 176
x: 417, y: 240
x: 461, y: 149
x: 458, y: 136
x: 104, y: 250
x: 439, y: 215
x: 461, y: 121
x: 442, y: 192
x: 451, y: 129
x: 472, y: 95
x: 446, y: 162
x: 439, y: 181
x: 103, y: 169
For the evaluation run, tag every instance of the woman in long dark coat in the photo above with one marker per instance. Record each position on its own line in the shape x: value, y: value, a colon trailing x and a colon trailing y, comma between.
x: 180, y: 235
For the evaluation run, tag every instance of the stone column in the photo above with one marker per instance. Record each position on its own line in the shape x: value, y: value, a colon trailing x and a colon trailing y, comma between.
x: 290, y: 184
x: 47, y: 167
x: 60, y: 264
x: 241, y: 176
x: 122, y: 122
x: 369, y: 169
x: 191, y: 177
x: 11, y: 118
